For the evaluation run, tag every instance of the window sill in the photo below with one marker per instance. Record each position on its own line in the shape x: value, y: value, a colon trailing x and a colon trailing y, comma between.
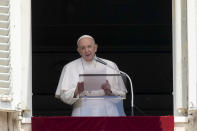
x: 181, y: 119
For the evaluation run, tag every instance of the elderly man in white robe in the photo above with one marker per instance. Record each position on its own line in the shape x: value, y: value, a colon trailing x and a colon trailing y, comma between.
x: 107, y: 101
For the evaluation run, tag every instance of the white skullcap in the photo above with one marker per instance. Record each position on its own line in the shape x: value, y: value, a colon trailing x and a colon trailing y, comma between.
x: 85, y: 36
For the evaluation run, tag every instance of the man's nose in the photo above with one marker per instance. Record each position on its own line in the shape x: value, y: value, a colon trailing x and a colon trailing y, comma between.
x: 86, y: 49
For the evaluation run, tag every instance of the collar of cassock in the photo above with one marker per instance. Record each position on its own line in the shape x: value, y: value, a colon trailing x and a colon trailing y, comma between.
x: 85, y: 63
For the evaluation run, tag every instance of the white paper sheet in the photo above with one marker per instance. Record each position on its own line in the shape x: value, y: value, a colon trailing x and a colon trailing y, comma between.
x: 94, y: 82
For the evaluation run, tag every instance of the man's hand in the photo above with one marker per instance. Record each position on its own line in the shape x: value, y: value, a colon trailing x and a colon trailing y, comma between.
x: 107, y: 88
x: 79, y: 88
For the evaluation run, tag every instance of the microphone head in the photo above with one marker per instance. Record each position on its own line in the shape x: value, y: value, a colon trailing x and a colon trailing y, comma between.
x: 100, y: 61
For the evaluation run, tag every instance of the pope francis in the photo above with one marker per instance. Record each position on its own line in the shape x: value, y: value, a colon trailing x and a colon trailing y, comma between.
x: 104, y: 102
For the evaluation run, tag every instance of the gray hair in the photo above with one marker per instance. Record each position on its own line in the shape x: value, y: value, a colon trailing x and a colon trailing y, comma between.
x: 85, y: 36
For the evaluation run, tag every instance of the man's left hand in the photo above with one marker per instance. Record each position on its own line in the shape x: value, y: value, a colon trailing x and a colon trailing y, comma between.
x: 107, y: 88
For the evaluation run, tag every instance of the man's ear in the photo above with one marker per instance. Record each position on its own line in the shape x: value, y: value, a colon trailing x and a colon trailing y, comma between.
x: 78, y: 50
x: 96, y: 47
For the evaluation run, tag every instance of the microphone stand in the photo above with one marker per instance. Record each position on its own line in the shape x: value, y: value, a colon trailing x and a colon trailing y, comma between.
x: 132, y: 97
x: 132, y: 103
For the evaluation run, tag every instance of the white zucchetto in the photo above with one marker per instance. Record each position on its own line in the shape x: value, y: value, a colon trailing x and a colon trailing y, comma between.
x: 85, y: 36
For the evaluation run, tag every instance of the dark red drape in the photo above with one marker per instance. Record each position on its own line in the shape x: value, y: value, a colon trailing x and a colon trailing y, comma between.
x: 135, y: 123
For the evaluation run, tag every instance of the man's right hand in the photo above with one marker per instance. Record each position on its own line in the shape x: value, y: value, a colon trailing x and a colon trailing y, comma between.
x: 79, y: 88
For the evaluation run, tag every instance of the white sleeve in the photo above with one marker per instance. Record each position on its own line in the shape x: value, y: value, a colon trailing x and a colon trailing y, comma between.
x: 67, y: 85
x: 68, y: 96
x: 118, y: 92
x: 117, y: 84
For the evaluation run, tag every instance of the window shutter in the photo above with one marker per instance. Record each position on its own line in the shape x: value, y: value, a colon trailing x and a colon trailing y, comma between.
x: 4, y: 54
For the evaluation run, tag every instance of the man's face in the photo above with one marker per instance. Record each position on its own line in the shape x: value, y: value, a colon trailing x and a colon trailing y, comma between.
x: 87, y: 49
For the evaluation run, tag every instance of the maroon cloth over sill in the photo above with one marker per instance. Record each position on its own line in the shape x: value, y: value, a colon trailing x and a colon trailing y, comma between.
x: 128, y: 123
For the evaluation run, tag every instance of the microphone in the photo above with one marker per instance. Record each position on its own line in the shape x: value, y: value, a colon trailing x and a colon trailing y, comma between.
x: 100, y: 61
x: 121, y: 72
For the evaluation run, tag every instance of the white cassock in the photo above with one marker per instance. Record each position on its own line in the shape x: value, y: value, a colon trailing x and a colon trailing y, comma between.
x: 86, y: 106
